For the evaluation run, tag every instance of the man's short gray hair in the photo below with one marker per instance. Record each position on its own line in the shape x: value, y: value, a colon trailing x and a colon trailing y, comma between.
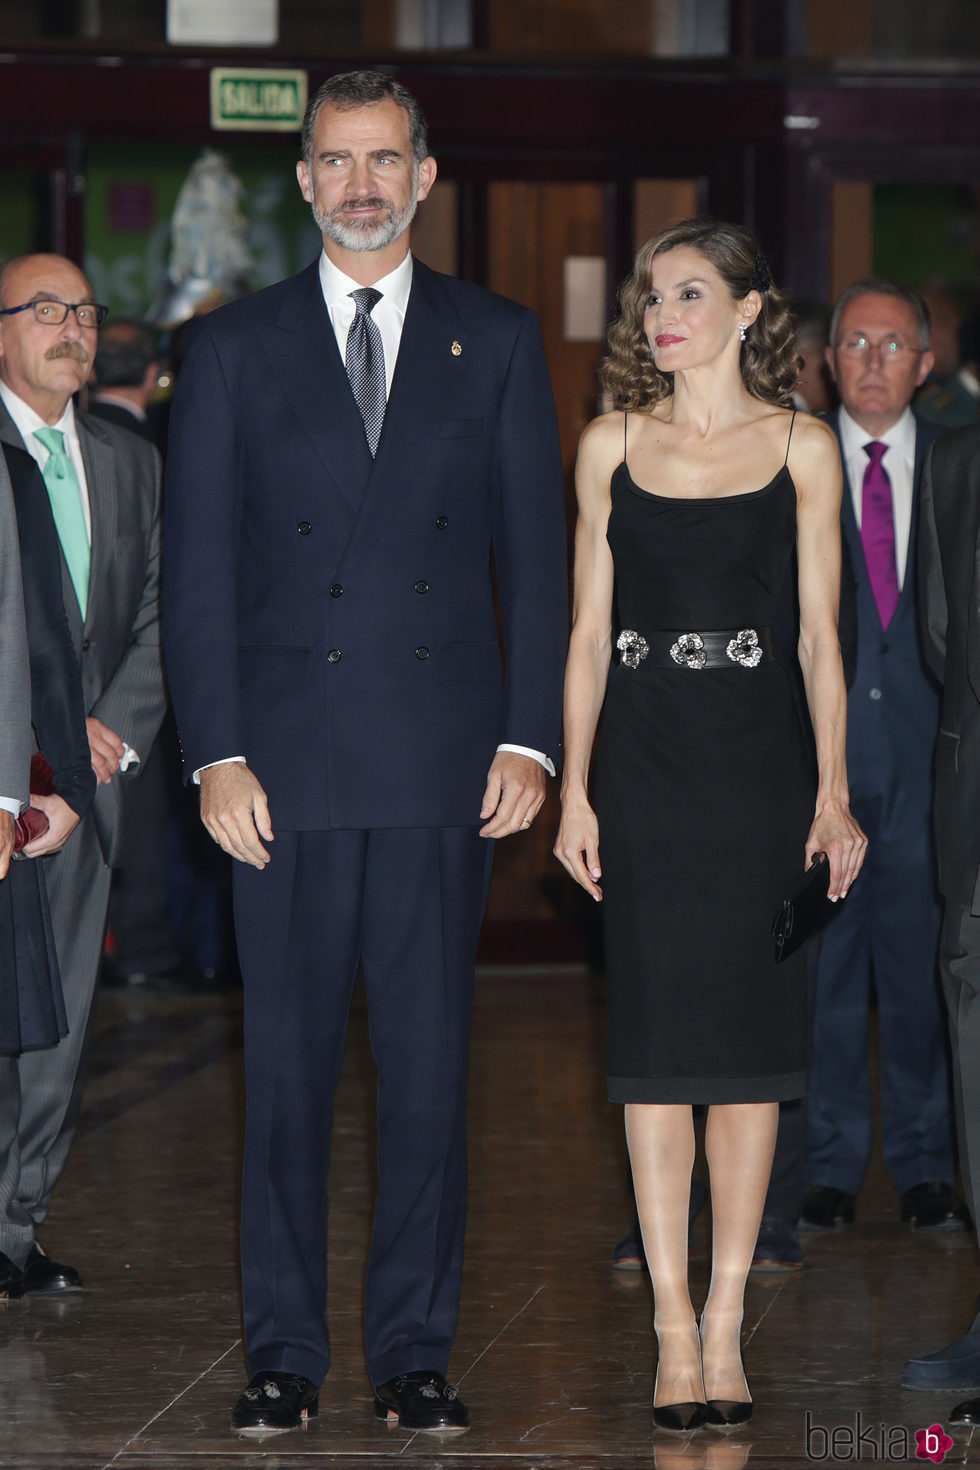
x: 877, y: 286
x: 350, y: 89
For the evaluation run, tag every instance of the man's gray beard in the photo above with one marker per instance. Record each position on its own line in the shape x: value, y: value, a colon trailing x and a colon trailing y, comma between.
x: 364, y: 236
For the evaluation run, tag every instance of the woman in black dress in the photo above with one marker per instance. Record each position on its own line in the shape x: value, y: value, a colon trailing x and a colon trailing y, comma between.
x: 693, y: 494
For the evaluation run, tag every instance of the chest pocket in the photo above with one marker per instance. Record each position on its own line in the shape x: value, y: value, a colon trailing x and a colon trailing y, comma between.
x: 462, y: 429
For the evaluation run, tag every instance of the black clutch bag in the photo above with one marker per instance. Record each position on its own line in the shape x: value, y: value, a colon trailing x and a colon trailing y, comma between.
x: 806, y: 910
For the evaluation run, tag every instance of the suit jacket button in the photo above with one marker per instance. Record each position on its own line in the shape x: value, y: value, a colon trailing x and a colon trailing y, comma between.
x: 334, y: 656
x: 421, y: 586
x: 442, y: 523
x: 86, y: 645
x: 304, y: 528
x: 422, y: 653
x: 336, y: 590
x: 875, y: 693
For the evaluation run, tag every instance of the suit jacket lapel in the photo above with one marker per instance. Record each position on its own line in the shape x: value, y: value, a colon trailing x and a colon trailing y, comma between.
x: 100, y: 476
x: 923, y: 438
x: 9, y: 434
x: 848, y: 519
x: 423, y: 389
x: 303, y: 352
x: 971, y: 473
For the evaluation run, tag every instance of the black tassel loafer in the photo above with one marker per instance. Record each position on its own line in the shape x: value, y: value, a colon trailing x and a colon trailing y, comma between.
x: 275, y: 1402
x: 420, y: 1400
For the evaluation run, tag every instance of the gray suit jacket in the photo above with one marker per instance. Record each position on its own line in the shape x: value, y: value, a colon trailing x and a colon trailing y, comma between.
x: 949, y: 573
x: 118, y: 644
x: 16, y: 740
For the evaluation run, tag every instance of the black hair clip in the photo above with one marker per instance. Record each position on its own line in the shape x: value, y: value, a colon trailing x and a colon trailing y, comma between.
x: 760, y: 279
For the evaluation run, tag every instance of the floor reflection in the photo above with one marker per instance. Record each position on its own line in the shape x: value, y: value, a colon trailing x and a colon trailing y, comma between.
x: 555, y: 1353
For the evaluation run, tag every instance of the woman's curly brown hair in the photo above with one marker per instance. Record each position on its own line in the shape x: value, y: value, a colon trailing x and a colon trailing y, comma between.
x: 769, y: 360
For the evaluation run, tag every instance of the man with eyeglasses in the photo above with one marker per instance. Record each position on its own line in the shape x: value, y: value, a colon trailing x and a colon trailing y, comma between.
x: 104, y: 489
x: 887, y: 933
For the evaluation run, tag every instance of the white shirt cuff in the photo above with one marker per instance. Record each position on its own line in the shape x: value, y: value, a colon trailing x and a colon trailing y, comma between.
x: 10, y: 804
x: 536, y: 755
x: 228, y: 760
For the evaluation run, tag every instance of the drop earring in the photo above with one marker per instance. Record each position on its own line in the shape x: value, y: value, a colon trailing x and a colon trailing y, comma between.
x: 741, y: 331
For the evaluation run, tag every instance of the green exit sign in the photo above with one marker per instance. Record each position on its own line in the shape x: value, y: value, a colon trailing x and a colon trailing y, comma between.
x: 259, y: 101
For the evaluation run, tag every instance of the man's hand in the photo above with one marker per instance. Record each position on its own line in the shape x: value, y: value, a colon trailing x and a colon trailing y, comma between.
x: 235, y: 811
x: 62, y: 822
x: 7, y: 835
x: 514, y: 795
x: 106, y: 747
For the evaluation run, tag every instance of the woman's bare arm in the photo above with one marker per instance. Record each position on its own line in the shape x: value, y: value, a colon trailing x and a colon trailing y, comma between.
x: 817, y: 473
x: 577, y: 845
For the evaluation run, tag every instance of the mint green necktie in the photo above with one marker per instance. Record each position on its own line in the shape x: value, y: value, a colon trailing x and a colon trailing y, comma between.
x: 66, y: 505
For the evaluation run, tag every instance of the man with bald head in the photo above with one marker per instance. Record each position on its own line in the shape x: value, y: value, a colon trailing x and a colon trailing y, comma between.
x: 104, y: 488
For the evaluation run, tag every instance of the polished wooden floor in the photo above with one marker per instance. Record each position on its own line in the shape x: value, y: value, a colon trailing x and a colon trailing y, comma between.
x: 554, y: 1354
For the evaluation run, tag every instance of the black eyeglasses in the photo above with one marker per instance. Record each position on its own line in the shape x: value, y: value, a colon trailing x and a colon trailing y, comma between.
x: 54, y: 313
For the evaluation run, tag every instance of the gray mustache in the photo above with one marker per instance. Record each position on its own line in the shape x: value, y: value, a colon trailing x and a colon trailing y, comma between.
x: 377, y: 203
x: 68, y: 349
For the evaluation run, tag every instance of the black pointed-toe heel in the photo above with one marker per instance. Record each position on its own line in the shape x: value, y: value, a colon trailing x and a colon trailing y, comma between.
x: 680, y: 1417
x: 723, y: 1413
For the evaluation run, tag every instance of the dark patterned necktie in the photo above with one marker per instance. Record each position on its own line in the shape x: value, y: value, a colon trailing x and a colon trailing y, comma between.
x: 878, y: 532
x: 365, y: 362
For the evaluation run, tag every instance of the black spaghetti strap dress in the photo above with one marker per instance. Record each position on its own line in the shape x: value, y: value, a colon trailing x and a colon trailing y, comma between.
x: 704, y: 797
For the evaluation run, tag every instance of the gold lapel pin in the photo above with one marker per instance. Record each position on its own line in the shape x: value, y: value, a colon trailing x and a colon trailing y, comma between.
x: 456, y: 349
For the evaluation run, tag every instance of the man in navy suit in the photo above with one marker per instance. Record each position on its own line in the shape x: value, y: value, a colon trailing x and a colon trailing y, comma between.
x: 887, y: 933
x: 347, y: 448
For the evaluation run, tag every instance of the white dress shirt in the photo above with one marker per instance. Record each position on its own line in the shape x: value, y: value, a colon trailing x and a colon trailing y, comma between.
x: 389, y: 316
x: 26, y: 421
x: 899, y: 463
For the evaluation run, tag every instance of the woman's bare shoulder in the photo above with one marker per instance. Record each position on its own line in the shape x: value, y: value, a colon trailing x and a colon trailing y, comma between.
x: 605, y: 433
x: 814, y: 437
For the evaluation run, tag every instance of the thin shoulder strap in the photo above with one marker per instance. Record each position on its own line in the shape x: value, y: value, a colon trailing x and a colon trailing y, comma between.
x: 790, y: 439
x: 625, y: 426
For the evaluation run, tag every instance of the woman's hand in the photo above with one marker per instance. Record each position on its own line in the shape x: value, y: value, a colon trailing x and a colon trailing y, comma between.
x: 836, y: 833
x: 577, y: 845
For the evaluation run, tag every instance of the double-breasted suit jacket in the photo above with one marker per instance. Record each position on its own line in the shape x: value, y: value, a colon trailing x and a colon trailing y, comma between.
x: 331, y: 618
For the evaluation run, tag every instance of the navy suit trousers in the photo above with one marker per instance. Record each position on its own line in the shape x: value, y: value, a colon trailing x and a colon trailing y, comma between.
x: 886, y: 934
x: 407, y: 904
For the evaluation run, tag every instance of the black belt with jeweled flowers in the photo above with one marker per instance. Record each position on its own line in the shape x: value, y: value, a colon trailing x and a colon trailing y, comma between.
x: 747, y: 648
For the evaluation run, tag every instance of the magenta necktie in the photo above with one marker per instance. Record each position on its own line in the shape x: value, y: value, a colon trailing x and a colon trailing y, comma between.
x: 878, y: 532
